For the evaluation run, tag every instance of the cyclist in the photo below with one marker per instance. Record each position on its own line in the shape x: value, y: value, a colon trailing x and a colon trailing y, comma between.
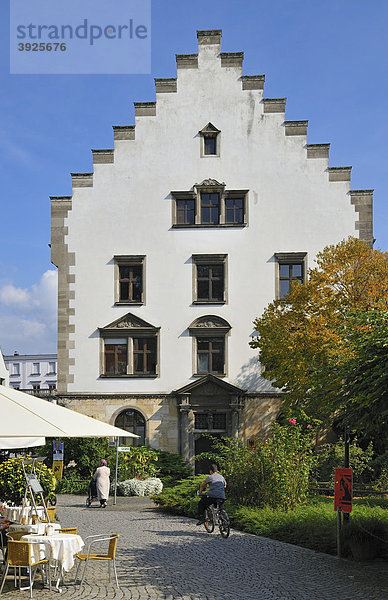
x: 217, y: 485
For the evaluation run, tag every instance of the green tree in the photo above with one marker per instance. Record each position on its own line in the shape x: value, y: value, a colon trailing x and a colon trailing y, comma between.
x: 306, y: 340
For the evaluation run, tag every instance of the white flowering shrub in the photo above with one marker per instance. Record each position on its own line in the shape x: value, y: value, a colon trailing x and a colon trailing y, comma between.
x: 140, y: 487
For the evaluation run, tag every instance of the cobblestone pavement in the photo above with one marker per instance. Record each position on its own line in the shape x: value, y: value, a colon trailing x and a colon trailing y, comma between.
x: 161, y: 557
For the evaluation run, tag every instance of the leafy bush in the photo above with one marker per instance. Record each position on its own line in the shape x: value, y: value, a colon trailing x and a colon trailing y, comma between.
x: 140, y: 487
x: 140, y: 461
x: 72, y: 484
x: 172, y: 468
x: 181, y: 499
x: 312, y: 525
x: 330, y: 456
x: 276, y: 473
x: 13, y: 482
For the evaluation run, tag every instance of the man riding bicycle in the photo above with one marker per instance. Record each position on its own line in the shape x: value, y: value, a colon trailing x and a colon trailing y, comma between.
x: 217, y: 485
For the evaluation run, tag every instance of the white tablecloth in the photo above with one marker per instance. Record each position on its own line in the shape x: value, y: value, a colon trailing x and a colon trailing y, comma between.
x: 60, y: 546
x: 39, y: 528
x: 16, y: 513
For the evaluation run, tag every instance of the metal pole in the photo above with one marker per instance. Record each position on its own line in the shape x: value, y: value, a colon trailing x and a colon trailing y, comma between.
x: 347, y: 463
x: 117, y: 465
x: 339, y: 511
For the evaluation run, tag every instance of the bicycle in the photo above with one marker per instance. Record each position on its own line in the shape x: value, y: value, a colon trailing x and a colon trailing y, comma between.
x: 215, y: 514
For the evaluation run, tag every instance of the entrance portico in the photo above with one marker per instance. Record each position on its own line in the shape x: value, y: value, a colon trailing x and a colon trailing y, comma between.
x: 207, y: 406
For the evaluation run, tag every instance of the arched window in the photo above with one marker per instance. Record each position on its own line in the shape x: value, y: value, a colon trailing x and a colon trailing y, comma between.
x: 133, y: 421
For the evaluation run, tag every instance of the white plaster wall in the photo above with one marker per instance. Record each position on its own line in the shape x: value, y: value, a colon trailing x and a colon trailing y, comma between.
x: 292, y: 207
x: 4, y: 373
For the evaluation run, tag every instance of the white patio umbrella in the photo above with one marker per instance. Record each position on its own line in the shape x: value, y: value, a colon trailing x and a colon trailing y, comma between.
x: 12, y: 443
x: 24, y: 415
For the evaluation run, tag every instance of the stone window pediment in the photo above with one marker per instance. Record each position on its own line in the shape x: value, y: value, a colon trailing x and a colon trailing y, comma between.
x: 129, y: 322
x: 209, y: 325
x: 129, y: 348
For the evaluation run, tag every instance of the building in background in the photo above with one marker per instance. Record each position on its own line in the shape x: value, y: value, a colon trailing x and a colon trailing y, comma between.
x: 4, y: 374
x: 203, y: 212
x: 32, y: 372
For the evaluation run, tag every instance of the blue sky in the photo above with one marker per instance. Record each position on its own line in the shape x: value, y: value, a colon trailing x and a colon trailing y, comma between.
x: 328, y: 58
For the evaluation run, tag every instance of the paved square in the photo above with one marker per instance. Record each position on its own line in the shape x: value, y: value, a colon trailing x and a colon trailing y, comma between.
x: 162, y: 557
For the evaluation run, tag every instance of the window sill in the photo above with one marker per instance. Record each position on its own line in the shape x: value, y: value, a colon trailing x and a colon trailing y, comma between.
x: 131, y: 376
x: 220, y: 375
x: 209, y: 301
x: 208, y: 225
x: 128, y: 302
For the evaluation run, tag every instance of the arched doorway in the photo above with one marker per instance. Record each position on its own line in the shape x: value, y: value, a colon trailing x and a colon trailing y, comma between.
x: 131, y: 420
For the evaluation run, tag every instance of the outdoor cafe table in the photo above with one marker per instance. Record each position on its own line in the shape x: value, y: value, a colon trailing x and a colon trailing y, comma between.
x: 14, y: 513
x: 38, y: 528
x: 60, y: 547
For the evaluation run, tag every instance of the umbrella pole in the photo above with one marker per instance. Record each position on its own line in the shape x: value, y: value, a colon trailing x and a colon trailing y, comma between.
x: 116, y: 470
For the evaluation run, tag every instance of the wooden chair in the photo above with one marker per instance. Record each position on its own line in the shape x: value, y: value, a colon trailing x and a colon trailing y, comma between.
x: 51, y: 514
x: 19, y: 556
x: 15, y: 536
x: 73, y: 530
x: 110, y: 556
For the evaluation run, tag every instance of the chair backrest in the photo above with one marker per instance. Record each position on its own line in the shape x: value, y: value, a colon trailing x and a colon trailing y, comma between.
x: 113, y: 545
x: 73, y: 530
x: 51, y: 513
x: 15, y: 535
x: 19, y: 553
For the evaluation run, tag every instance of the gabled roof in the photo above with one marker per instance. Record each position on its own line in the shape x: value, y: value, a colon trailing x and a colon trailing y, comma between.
x: 223, y: 385
x: 209, y: 129
x: 128, y: 321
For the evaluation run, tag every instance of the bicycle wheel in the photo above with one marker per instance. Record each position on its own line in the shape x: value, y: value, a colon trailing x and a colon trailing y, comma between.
x: 209, y: 520
x: 224, y: 524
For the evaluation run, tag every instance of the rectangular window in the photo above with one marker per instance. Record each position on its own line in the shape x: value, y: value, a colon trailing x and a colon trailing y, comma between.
x: 52, y: 386
x: 287, y: 274
x: 209, y: 278
x: 35, y: 368
x: 291, y: 266
x: 201, y: 421
x: 36, y: 387
x: 130, y: 283
x: 52, y: 368
x: 210, y: 283
x: 210, y: 208
x: 210, y: 421
x: 210, y: 144
x: 211, y: 355
x: 129, y: 279
x: 116, y: 359
x: 234, y: 210
x: 16, y: 369
x: 185, y: 212
x: 144, y: 355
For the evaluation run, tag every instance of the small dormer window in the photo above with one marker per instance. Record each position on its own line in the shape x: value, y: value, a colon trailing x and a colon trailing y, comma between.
x: 210, y: 140
x: 209, y: 144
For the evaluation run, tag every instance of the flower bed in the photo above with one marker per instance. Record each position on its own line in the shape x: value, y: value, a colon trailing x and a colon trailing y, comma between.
x: 140, y: 487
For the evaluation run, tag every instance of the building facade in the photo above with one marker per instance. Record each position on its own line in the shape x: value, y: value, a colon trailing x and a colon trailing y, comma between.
x: 4, y: 374
x: 203, y: 212
x: 32, y: 372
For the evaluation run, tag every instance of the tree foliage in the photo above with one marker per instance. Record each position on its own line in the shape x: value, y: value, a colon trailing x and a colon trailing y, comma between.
x: 324, y: 344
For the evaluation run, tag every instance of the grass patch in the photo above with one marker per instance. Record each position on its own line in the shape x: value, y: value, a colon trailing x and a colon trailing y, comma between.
x: 311, y: 525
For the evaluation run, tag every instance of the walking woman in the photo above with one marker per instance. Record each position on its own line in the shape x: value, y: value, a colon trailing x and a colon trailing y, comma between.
x: 101, y: 477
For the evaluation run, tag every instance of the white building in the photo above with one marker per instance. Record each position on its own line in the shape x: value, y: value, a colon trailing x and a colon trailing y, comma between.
x: 4, y: 375
x: 37, y: 372
x: 201, y: 214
